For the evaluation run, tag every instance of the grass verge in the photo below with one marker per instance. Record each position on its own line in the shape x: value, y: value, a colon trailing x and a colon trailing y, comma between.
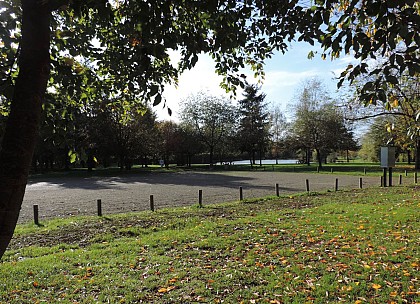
x: 358, y: 246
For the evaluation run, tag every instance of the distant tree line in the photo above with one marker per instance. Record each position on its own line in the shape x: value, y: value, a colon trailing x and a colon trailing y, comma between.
x: 213, y: 130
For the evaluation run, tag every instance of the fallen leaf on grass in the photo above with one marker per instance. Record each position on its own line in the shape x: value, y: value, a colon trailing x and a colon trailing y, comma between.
x: 166, y: 289
x: 376, y: 286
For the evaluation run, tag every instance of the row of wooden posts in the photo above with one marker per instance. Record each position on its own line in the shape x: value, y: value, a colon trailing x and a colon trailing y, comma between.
x: 241, y: 196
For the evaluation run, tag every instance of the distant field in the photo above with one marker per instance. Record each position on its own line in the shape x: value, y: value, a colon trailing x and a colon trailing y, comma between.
x: 353, y: 246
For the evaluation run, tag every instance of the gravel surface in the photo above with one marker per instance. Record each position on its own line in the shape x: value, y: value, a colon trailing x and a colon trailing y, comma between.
x: 67, y: 196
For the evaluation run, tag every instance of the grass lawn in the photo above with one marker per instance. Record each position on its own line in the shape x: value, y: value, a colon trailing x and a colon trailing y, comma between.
x: 358, y: 246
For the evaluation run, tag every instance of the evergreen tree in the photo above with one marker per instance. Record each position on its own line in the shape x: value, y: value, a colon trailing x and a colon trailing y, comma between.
x: 253, y: 134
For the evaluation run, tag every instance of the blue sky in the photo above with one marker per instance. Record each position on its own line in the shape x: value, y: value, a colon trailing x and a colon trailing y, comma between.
x: 284, y: 75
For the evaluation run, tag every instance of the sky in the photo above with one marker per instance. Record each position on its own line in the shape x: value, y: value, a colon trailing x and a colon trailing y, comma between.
x: 284, y: 75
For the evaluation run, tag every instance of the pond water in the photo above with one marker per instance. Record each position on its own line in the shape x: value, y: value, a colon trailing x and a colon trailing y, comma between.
x: 266, y: 162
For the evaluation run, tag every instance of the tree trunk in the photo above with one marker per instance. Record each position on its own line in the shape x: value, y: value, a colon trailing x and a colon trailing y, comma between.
x: 308, y: 156
x: 25, y: 113
x: 417, y: 154
x: 211, y: 156
x: 319, y: 157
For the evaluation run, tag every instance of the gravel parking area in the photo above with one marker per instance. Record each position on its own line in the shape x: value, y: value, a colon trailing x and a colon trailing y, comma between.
x: 66, y: 196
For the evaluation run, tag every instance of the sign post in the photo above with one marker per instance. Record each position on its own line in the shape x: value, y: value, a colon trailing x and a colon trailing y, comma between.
x: 387, y: 162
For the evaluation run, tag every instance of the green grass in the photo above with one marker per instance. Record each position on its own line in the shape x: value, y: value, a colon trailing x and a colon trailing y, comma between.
x: 358, y: 246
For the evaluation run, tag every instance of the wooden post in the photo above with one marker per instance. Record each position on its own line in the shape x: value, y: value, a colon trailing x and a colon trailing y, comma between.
x: 360, y: 183
x: 200, y: 198
x: 317, y: 169
x: 382, y: 181
x: 406, y: 173
x: 307, y: 185
x: 277, y: 190
x: 336, y: 184
x: 36, y: 215
x: 241, y: 196
x: 152, y: 203
x: 99, y: 205
x: 400, y: 182
x: 390, y: 177
x: 364, y: 171
x: 415, y: 177
x: 385, y: 176
x: 332, y: 170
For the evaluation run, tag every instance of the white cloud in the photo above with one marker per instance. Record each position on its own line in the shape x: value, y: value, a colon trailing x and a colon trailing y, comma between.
x: 201, y: 78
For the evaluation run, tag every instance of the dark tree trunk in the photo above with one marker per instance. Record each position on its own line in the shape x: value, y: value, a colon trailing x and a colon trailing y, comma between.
x: 25, y: 113
x: 417, y: 154
x: 308, y: 156
x: 211, y: 156
x: 409, y: 157
x: 319, y: 157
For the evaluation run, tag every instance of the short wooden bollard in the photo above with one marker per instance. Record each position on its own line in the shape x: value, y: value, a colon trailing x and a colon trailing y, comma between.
x: 200, y: 198
x: 332, y: 170
x: 36, y: 215
x: 241, y: 195
x: 307, y: 185
x: 152, y: 203
x: 99, y: 205
x: 415, y: 177
x: 400, y: 181
x: 364, y: 171
x: 406, y: 173
x: 317, y: 169
x: 382, y: 181
x: 277, y: 190
x: 360, y: 183
x: 336, y: 184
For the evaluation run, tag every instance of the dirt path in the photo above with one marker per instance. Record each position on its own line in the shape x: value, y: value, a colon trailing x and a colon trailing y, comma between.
x: 63, y: 197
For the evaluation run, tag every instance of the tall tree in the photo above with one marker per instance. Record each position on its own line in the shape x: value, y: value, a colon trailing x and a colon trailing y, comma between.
x: 212, y: 117
x: 278, y: 130
x: 318, y: 124
x: 130, y: 58
x: 253, y: 130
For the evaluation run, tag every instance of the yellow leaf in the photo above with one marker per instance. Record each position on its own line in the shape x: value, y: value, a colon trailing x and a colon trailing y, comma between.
x: 173, y: 280
x: 170, y: 288
x: 358, y: 302
x: 393, y: 294
x: 162, y: 290
x: 376, y: 286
